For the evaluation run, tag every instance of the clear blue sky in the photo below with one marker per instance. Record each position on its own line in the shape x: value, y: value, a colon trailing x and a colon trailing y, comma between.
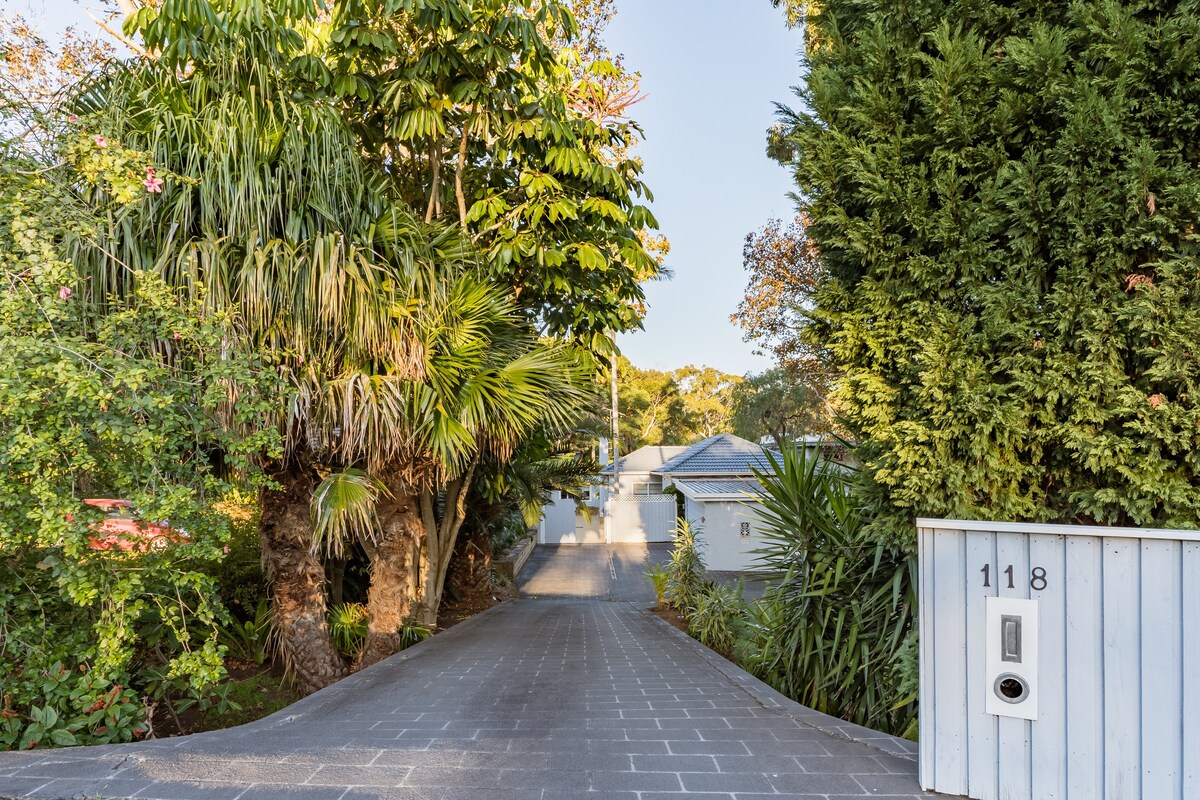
x: 711, y: 74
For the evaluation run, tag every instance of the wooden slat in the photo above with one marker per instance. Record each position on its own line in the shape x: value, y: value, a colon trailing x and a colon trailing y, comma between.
x: 1162, y: 670
x: 927, y: 637
x: 1122, y: 669
x: 1048, y: 775
x: 949, y: 625
x: 981, y: 726
x: 1190, y: 633
x: 1012, y: 549
x: 1084, y: 761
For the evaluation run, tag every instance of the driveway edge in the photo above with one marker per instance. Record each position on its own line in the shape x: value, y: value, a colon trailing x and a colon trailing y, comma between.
x: 770, y: 698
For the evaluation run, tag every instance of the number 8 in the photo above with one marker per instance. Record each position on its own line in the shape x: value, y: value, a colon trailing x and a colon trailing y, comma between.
x: 1039, y: 576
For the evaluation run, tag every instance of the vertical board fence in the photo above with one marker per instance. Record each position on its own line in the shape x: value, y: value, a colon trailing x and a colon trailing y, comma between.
x: 641, y: 518
x: 1117, y: 655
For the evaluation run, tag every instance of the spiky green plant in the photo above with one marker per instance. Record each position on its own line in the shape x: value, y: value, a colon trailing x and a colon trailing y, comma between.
x: 249, y: 640
x: 831, y: 630
x: 716, y: 616
x: 686, y: 573
x: 659, y: 576
x: 348, y: 627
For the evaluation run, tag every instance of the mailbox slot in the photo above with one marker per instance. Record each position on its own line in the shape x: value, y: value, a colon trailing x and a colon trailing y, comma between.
x: 1010, y: 684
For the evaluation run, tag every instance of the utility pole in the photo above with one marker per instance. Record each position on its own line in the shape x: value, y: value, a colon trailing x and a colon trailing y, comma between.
x: 616, y: 430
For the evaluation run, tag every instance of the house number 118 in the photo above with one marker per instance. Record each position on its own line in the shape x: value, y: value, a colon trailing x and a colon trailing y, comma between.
x: 1037, y: 577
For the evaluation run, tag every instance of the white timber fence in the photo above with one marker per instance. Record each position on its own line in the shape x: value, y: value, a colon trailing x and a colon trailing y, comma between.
x: 641, y: 518
x: 1059, y: 661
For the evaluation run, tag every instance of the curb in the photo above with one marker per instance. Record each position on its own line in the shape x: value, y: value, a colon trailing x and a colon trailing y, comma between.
x: 769, y: 698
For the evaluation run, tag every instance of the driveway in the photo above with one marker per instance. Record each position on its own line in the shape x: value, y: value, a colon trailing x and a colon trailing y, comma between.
x: 563, y: 696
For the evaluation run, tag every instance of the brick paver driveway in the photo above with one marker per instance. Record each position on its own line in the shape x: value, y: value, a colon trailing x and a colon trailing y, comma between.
x: 538, y: 699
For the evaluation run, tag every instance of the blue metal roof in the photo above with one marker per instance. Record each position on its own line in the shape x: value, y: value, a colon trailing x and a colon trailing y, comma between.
x: 723, y: 454
x: 720, y: 488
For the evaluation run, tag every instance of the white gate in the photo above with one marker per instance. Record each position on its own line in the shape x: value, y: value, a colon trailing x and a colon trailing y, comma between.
x: 558, y: 521
x: 641, y: 518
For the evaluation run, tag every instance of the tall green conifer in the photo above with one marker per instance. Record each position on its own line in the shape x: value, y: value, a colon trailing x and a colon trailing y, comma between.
x: 1007, y: 196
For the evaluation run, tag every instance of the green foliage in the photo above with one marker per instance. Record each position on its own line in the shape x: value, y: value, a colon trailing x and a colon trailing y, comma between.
x: 239, y: 576
x: 348, y: 627
x: 674, y: 407
x: 248, y: 640
x: 659, y: 576
x: 412, y: 633
x: 716, y: 616
x: 834, y: 631
x: 510, y: 530
x: 686, y: 576
x: 1006, y: 200
x: 778, y: 405
x: 471, y: 108
x: 148, y: 403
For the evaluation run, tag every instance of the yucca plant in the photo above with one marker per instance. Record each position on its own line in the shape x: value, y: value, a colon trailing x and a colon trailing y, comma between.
x: 659, y: 576
x: 686, y: 575
x: 830, y: 632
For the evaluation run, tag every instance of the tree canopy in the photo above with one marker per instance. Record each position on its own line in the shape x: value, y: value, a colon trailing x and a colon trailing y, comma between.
x: 1005, y: 199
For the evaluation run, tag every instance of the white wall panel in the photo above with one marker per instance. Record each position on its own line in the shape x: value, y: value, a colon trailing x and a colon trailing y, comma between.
x: 1118, y: 681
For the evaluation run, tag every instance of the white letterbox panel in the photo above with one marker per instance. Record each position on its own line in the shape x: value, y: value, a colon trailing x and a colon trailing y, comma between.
x: 1011, y: 649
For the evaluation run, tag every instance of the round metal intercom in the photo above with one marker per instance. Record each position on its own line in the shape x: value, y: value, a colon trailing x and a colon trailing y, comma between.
x: 1011, y: 688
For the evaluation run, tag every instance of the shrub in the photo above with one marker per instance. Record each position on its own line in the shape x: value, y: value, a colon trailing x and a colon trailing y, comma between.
x: 249, y: 640
x: 1005, y: 197
x: 686, y: 575
x: 348, y: 627
x: 716, y: 616
x: 659, y: 575
x: 833, y: 630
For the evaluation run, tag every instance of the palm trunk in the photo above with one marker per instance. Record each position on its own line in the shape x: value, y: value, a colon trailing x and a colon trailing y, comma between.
x: 391, y: 597
x: 297, y: 583
x: 440, y: 536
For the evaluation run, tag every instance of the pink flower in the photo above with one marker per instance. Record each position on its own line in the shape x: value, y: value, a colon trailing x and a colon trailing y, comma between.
x: 225, y: 548
x: 153, y: 185
x: 101, y: 141
x: 64, y: 292
x: 176, y: 335
x: 150, y: 172
x: 73, y: 119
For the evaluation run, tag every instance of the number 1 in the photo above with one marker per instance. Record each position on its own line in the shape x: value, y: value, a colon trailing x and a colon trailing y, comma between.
x: 1009, y: 573
x: 987, y: 576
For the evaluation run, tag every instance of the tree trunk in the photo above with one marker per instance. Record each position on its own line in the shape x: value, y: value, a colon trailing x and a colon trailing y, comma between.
x: 297, y: 583
x: 471, y: 565
x: 440, y: 535
x: 391, y: 597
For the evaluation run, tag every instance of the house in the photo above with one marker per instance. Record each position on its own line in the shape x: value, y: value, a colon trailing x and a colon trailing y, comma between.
x: 644, y: 513
x: 716, y: 479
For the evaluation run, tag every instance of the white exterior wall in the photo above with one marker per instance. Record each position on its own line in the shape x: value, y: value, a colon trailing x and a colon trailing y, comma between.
x: 1118, y: 662
x: 725, y: 549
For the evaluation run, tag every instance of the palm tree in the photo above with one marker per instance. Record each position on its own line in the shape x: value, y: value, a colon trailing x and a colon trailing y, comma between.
x: 487, y: 383
x: 276, y: 216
